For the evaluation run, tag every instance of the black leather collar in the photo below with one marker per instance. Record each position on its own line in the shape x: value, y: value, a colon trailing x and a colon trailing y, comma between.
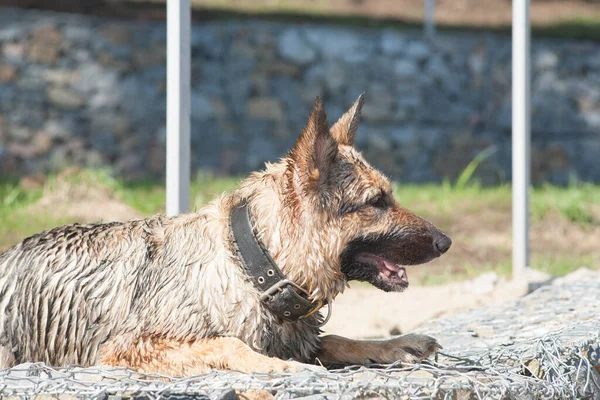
x: 280, y: 295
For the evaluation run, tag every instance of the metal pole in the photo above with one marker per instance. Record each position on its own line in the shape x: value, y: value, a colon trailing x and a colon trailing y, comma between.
x: 429, y: 23
x: 178, y: 106
x: 521, y: 135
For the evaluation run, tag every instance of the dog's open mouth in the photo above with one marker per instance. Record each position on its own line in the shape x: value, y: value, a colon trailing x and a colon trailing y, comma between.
x: 387, y: 269
x: 383, y: 263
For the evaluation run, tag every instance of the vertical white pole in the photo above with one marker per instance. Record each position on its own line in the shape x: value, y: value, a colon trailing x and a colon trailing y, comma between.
x: 521, y: 136
x: 178, y: 106
x: 429, y: 23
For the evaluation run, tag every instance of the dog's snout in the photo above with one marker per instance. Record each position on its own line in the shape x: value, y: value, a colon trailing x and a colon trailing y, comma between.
x: 443, y: 243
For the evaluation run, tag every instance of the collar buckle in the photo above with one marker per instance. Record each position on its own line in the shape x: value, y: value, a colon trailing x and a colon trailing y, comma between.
x: 283, y: 297
x: 278, y: 287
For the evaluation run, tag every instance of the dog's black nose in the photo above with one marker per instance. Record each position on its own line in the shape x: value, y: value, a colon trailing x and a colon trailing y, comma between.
x: 443, y: 243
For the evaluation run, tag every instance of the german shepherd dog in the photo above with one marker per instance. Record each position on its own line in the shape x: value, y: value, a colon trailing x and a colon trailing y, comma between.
x: 236, y: 285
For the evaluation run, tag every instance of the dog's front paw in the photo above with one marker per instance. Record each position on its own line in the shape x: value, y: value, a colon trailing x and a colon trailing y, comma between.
x: 275, y: 365
x: 412, y: 348
x: 298, y: 366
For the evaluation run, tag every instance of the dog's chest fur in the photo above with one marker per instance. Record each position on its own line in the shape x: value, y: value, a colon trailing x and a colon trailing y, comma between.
x: 66, y: 292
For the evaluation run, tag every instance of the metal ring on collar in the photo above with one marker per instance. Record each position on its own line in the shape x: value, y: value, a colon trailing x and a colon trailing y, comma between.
x: 329, y: 310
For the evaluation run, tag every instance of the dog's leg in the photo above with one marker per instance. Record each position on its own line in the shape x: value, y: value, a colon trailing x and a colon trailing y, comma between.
x: 411, y: 348
x: 176, y: 358
x: 7, y: 358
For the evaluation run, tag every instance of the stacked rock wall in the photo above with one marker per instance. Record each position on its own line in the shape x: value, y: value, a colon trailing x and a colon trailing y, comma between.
x: 91, y: 91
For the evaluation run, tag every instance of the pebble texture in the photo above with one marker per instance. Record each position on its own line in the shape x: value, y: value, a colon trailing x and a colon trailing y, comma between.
x: 79, y: 90
x: 543, y: 346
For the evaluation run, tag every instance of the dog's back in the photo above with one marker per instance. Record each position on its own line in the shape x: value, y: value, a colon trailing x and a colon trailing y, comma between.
x: 68, y: 293
x: 60, y: 289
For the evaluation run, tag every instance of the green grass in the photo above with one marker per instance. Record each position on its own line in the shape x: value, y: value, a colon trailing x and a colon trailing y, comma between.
x: 13, y: 197
x: 444, y: 199
x: 573, y: 202
x: 149, y: 197
x: 16, y: 222
x: 554, y: 265
x: 576, y: 29
x: 445, y: 203
x: 559, y: 265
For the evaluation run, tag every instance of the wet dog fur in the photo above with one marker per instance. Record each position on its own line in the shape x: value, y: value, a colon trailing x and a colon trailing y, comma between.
x: 170, y: 295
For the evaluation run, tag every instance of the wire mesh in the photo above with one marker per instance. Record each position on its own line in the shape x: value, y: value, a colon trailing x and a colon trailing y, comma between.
x: 543, y: 346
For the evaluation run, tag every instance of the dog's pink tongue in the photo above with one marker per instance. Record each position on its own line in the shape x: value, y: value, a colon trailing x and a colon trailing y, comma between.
x: 390, y: 266
x: 395, y: 270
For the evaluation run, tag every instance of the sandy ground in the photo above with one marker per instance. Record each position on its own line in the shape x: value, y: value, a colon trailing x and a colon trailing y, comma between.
x: 364, y: 312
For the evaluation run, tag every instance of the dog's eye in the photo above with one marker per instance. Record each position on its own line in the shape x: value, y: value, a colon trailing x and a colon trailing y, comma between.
x: 377, y: 201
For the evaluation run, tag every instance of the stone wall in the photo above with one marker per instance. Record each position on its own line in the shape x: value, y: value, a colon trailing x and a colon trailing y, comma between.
x: 91, y: 91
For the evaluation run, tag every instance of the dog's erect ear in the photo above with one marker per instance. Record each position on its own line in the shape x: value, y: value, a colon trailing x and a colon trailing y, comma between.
x: 345, y: 129
x: 314, y: 152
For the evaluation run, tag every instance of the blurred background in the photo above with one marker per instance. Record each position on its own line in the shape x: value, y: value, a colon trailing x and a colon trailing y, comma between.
x: 82, y: 121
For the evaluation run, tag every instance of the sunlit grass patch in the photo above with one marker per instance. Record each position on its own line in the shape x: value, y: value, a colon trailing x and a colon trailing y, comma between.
x: 478, y: 218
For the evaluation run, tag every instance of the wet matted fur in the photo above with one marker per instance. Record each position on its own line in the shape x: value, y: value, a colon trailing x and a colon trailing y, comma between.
x: 170, y: 295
